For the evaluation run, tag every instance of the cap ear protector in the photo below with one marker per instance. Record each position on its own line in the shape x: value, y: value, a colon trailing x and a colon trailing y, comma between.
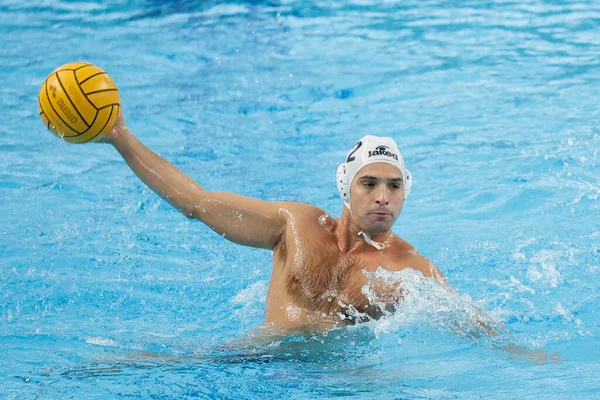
x: 368, y: 150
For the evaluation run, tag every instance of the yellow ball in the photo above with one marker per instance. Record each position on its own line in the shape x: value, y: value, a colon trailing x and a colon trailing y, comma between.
x: 79, y: 102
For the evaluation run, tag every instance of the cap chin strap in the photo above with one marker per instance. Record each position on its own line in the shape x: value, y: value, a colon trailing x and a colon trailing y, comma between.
x: 377, y: 245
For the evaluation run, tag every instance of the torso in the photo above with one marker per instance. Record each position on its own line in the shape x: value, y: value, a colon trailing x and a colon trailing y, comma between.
x: 315, y: 284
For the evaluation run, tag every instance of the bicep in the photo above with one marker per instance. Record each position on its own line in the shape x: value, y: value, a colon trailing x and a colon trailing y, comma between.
x: 243, y: 220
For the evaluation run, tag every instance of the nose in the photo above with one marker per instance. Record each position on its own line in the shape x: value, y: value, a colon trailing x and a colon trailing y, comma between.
x: 382, y: 196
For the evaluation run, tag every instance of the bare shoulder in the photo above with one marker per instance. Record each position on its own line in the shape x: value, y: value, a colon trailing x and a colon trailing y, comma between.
x: 401, y: 246
x: 303, y: 212
x: 302, y: 221
x: 411, y: 258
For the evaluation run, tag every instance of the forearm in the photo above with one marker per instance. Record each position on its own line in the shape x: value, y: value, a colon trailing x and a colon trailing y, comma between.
x: 240, y: 219
x: 158, y: 174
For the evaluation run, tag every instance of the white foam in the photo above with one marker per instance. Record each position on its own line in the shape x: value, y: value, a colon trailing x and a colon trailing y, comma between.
x: 548, y: 273
x: 250, y: 301
x: 421, y: 300
x: 100, y: 341
x: 254, y: 293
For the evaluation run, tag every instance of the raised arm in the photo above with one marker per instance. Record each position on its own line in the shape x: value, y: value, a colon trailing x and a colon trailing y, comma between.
x: 240, y: 219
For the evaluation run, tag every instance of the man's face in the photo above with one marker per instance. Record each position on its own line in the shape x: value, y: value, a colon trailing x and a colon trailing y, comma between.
x: 376, y: 197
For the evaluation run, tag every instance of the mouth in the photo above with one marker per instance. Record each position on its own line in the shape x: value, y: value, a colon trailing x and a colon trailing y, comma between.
x: 380, y: 214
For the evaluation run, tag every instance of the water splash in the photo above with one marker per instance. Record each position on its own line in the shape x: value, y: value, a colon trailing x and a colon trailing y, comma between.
x: 407, y: 299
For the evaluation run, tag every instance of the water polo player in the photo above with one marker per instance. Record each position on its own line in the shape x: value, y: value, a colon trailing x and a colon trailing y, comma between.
x: 319, y: 262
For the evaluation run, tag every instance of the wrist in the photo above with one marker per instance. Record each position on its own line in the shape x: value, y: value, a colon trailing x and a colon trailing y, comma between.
x: 119, y: 136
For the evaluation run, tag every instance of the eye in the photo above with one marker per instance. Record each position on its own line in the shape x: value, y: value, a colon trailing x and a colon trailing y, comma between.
x: 396, y: 186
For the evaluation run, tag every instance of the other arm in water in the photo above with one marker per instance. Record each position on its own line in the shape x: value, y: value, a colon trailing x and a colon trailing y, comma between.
x: 242, y: 220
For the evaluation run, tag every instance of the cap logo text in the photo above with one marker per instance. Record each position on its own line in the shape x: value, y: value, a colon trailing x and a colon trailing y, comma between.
x: 383, y: 151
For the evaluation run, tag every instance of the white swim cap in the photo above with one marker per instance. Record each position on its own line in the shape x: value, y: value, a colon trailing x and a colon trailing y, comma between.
x: 370, y: 149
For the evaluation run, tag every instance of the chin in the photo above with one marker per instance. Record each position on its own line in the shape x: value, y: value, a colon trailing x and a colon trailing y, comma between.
x: 377, y: 229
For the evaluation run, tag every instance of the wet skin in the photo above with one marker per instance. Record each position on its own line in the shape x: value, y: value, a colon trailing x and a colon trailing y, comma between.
x: 318, y: 261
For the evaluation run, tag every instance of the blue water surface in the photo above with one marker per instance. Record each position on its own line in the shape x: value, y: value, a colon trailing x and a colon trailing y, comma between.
x: 107, y: 292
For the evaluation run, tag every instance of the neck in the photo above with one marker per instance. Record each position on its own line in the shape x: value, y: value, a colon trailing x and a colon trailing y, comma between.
x: 350, y: 237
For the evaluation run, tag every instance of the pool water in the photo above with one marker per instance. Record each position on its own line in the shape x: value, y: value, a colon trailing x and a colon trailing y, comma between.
x: 107, y: 292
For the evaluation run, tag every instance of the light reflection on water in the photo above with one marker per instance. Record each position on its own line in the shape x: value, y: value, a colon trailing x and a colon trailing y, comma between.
x: 104, y: 289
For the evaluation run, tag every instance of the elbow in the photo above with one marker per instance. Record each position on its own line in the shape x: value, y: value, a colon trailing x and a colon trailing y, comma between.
x: 190, y: 206
x: 189, y: 215
x: 189, y: 212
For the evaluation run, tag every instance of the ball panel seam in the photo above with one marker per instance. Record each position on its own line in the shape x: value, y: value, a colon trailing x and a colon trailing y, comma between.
x: 71, y: 101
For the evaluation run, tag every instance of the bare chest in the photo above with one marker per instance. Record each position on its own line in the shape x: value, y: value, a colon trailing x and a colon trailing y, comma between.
x: 319, y: 277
